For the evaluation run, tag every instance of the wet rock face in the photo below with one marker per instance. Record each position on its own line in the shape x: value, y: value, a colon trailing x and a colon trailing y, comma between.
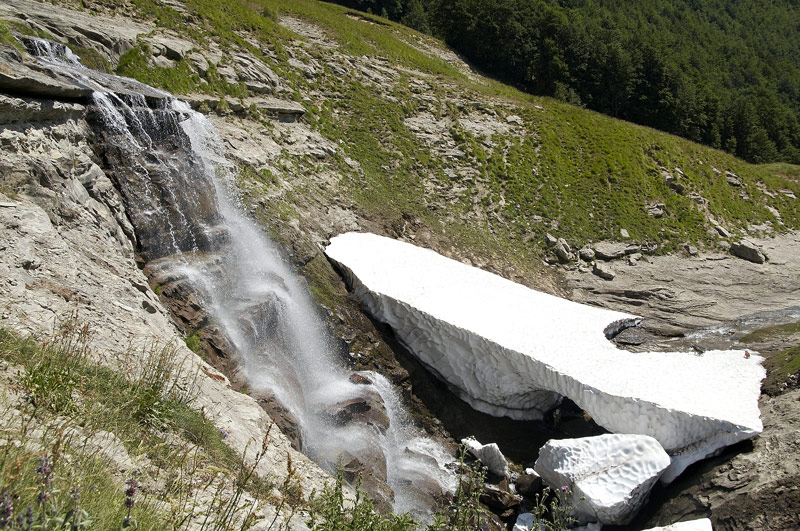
x: 370, y: 469
x: 148, y: 171
x: 368, y: 409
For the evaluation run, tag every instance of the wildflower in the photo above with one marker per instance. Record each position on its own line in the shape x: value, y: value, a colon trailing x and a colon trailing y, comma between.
x: 133, y: 485
x: 45, y: 470
x: 130, y: 499
x: 25, y: 521
x: 564, y: 488
x: 6, y: 510
x: 223, y: 433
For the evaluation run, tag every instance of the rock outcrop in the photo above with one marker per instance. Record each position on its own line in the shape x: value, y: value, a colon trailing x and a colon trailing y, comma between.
x: 509, y: 350
x: 66, y: 251
x: 749, y: 251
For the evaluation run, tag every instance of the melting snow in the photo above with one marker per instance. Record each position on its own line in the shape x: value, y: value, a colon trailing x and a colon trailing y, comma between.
x: 510, y: 350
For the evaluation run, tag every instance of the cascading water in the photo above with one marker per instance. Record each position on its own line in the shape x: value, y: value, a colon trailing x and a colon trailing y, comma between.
x: 181, y: 199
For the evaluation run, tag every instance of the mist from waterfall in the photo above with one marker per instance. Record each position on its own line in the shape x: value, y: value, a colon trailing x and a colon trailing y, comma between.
x: 248, y: 289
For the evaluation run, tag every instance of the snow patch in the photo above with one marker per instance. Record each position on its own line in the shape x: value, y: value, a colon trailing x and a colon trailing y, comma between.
x: 509, y: 350
x: 488, y: 454
x: 610, y: 476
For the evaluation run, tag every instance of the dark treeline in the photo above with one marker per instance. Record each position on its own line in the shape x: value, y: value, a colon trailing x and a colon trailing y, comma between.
x: 722, y: 72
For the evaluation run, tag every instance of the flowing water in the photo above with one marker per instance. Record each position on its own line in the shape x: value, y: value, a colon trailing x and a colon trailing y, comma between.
x: 169, y: 164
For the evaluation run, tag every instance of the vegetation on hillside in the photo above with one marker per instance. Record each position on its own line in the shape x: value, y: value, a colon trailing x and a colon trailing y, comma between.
x: 722, y: 73
x: 75, y: 423
x: 586, y: 175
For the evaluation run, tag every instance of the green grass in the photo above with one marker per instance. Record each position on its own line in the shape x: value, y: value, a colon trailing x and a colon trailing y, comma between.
x: 148, y: 412
x: 591, y: 174
x: 771, y: 331
x: 7, y: 38
x: 791, y: 363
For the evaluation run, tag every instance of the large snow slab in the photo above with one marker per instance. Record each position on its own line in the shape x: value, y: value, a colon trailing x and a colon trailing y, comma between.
x: 610, y: 476
x: 509, y: 350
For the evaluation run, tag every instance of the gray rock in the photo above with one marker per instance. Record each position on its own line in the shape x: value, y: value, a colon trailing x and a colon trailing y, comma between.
x: 632, y: 248
x: 699, y: 199
x: 21, y: 74
x: 603, y: 271
x: 550, y: 240
x: 20, y: 110
x: 656, y: 210
x: 691, y: 249
x: 609, y: 251
x: 307, y: 70
x: 251, y: 70
x: 624, y: 233
x: 749, y: 251
x: 586, y: 254
x: 172, y: 48
x: 199, y: 61
x: 732, y: 179
x: 110, y: 37
x: 722, y: 231
x: 563, y: 251
x: 672, y: 181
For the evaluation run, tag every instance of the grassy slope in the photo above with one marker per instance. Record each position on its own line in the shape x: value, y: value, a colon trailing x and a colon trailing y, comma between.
x: 595, y: 174
x: 592, y: 174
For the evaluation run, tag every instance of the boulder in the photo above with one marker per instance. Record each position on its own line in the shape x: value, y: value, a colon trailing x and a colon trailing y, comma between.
x: 672, y: 181
x: 367, y: 408
x: 488, y: 454
x: 550, y: 240
x: 609, y: 251
x: 529, y: 485
x: 563, y: 251
x: 733, y: 179
x: 498, y: 500
x: 586, y: 254
x: 656, y: 210
x: 171, y: 47
x: 603, y: 271
x: 509, y: 350
x: 722, y: 231
x: 610, y: 476
x: 749, y: 251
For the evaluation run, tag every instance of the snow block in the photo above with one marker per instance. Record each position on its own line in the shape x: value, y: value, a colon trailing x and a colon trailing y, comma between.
x: 510, y: 350
x: 488, y: 454
x: 610, y: 476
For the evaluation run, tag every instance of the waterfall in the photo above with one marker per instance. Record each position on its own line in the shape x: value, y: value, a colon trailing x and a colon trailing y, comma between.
x: 178, y: 187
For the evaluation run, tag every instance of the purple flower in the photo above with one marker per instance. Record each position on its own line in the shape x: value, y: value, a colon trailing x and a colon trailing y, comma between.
x: 45, y: 470
x: 564, y: 488
x: 223, y: 433
x: 6, y: 510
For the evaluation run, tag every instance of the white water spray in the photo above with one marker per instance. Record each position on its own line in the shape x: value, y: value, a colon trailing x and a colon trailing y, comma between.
x: 251, y: 293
